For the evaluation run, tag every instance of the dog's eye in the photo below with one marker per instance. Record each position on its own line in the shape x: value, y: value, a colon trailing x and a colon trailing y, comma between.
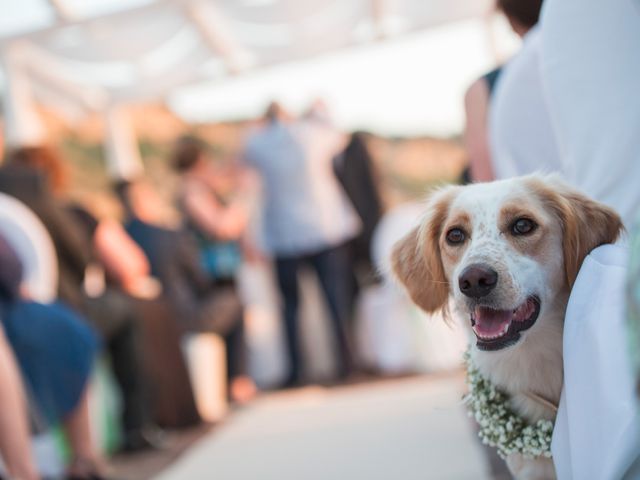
x: 455, y: 236
x: 523, y: 226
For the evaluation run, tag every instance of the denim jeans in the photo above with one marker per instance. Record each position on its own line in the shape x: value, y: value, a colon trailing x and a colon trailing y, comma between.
x: 331, y: 267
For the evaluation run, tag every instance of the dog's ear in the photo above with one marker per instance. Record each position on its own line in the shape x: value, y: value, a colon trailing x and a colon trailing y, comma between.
x: 416, y: 261
x: 586, y: 224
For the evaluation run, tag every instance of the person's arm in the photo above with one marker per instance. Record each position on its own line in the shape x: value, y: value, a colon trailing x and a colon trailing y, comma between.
x: 476, y: 134
x: 188, y: 263
x: 223, y: 222
x: 15, y: 445
x: 72, y: 242
x: 123, y: 260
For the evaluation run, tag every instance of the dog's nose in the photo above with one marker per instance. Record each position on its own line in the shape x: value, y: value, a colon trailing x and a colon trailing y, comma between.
x: 477, y: 280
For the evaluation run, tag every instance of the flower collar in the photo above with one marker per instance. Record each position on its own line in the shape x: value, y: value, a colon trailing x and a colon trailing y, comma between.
x: 500, y: 427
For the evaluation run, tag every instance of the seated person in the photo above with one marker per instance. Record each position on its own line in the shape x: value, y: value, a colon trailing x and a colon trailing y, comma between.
x: 15, y: 446
x: 55, y: 350
x: 35, y: 175
x: 174, y: 260
x: 119, y: 273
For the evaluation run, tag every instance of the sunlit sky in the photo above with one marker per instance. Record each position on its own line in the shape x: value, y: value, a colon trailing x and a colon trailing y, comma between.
x: 409, y: 86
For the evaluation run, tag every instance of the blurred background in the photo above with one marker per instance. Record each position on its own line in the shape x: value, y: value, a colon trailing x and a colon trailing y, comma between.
x: 163, y: 162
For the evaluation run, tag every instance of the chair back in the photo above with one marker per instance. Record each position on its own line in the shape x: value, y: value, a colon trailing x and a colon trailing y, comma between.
x: 24, y: 231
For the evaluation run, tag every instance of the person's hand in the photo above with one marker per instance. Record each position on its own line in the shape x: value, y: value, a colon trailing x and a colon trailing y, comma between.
x: 251, y: 253
x: 95, y: 282
x: 146, y: 288
x: 248, y: 180
x: 123, y: 260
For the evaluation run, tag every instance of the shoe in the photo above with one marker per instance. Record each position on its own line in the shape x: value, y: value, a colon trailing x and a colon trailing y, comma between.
x: 148, y: 438
x: 292, y: 381
x: 242, y: 390
x: 86, y: 469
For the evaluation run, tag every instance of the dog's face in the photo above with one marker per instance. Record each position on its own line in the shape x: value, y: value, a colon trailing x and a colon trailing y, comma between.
x: 506, y: 251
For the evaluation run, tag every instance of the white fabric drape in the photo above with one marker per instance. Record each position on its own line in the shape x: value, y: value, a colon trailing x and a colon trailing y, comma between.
x: 597, y: 431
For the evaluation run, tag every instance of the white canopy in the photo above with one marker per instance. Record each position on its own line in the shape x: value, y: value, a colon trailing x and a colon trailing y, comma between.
x: 79, y: 55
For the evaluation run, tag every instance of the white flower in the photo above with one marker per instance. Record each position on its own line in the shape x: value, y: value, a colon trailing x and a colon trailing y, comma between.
x: 500, y: 427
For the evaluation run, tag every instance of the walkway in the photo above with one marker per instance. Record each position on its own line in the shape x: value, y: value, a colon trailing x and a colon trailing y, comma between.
x: 402, y: 429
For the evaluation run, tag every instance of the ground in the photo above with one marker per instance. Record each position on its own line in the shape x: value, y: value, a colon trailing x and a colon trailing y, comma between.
x: 411, y: 428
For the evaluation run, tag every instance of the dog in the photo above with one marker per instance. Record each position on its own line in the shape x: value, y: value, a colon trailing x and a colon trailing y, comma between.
x: 508, y: 253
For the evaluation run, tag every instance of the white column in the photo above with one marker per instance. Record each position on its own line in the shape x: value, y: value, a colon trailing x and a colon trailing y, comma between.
x: 23, y: 124
x: 123, y: 155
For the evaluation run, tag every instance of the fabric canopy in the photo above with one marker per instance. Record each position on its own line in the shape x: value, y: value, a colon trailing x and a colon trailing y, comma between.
x: 98, y: 55
x: 97, y: 51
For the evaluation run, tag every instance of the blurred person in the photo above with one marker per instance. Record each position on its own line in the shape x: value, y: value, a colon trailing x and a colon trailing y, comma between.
x: 355, y: 171
x: 217, y: 219
x: 307, y: 219
x: 590, y: 69
x: 118, y: 275
x: 521, y: 135
x: 477, y: 100
x: 15, y: 443
x: 55, y: 350
x: 480, y: 97
x: 36, y: 176
x: 318, y: 112
x: 200, y: 305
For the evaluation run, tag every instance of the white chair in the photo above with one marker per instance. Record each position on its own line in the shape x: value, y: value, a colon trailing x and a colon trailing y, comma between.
x: 26, y: 234
x: 205, y: 354
x: 393, y: 333
x: 29, y: 238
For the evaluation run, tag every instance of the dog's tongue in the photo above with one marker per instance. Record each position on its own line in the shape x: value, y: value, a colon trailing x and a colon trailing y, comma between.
x: 488, y: 322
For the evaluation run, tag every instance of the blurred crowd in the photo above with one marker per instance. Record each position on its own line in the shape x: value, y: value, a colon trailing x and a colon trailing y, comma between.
x: 128, y: 290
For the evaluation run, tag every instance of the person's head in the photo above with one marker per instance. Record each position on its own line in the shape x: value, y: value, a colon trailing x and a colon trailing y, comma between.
x: 43, y: 159
x: 11, y: 272
x: 188, y: 153
x: 141, y: 200
x: 318, y: 111
x: 275, y: 113
x: 522, y: 14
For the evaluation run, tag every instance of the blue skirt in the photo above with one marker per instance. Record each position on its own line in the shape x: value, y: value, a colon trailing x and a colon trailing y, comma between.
x: 55, y: 349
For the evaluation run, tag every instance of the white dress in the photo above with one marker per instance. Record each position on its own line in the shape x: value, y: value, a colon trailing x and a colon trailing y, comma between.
x: 597, y: 431
x: 591, y: 70
x: 591, y: 73
x: 522, y: 139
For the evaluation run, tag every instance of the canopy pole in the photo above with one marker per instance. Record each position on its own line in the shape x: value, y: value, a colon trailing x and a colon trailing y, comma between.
x: 492, y: 42
x: 123, y: 156
x: 23, y: 124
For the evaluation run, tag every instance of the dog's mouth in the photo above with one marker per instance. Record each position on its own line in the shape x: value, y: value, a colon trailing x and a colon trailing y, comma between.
x: 498, y: 329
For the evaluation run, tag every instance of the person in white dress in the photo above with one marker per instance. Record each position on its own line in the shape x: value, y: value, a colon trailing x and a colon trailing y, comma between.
x: 522, y: 138
x: 590, y: 68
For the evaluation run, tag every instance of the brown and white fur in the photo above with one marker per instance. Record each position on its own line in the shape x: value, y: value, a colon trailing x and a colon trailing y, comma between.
x: 533, y: 271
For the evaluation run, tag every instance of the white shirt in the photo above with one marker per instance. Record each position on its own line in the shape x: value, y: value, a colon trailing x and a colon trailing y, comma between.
x: 304, y: 208
x: 522, y: 139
